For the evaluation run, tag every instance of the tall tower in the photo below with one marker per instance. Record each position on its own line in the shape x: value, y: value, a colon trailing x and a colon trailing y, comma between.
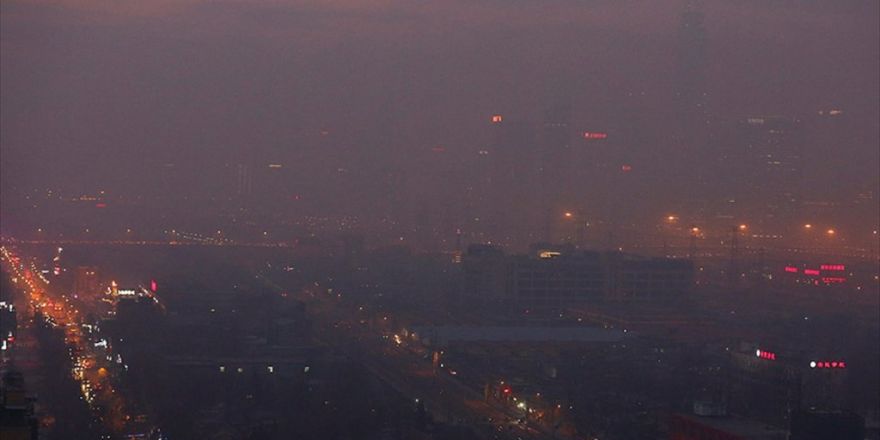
x: 244, y: 180
x: 692, y: 139
x: 690, y: 86
x: 556, y: 172
x: 513, y: 183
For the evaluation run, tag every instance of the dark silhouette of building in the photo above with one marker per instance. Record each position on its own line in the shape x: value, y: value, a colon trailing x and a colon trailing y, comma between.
x: 17, y: 421
x: 556, y: 276
x: 816, y: 425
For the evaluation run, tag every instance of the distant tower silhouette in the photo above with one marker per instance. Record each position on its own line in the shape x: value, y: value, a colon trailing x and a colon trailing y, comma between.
x: 692, y: 131
x: 244, y: 182
x: 556, y: 168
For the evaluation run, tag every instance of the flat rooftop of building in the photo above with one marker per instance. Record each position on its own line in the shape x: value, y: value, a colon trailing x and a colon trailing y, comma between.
x: 445, y: 334
x: 745, y: 428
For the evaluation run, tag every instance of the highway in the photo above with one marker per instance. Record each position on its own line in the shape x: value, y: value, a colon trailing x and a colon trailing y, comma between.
x: 96, y: 366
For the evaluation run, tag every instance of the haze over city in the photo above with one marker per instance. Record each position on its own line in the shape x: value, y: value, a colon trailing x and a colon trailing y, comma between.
x: 406, y: 220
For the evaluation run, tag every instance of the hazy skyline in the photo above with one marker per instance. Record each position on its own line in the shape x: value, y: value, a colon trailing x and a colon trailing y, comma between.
x: 83, y: 80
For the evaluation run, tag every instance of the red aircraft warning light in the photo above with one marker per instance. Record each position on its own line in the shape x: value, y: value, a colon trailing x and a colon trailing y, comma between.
x: 593, y: 135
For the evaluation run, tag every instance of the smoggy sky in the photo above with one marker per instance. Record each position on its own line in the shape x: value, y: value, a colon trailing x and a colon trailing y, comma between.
x: 90, y: 88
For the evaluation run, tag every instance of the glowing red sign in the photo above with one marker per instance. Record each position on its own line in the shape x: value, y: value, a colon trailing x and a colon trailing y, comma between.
x: 100, y: 205
x: 827, y: 364
x: 595, y: 135
x: 811, y: 272
x: 153, y: 285
x: 791, y: 269
x: 835, y: 267
x: 833, y: 280
x: 765, y: 354
x: 626, y: 168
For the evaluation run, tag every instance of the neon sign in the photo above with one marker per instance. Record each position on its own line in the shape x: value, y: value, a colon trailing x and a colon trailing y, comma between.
x: 595, y: 135
x: 827, y: 364
x: 835, y: 267
x: 791, y: 269
x: 763, y: 354
x: 811, y: 272
x: 833, y: 280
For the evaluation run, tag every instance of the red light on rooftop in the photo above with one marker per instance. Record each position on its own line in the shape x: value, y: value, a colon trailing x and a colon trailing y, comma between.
x: 595, y: 135
x: 769, y: 355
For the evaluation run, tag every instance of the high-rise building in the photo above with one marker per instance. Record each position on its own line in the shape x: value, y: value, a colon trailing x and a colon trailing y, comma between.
x: 692, y: 132
x: 769, y: 159
x: 244, y: 181
x: 691, y: 75
x: 513, y: 190
x: 557, y: 168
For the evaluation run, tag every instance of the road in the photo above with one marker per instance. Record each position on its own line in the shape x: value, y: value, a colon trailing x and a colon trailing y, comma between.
x: 96, y: 367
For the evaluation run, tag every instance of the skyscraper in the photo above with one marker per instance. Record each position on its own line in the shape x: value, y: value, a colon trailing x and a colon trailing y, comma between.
x: 771, y: 164
x: 557, y: 170
x: 692, y: 135
x: 244, y: 182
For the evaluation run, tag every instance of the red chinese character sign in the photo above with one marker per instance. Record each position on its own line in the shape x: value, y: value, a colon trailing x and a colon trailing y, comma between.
x: 828, y: 364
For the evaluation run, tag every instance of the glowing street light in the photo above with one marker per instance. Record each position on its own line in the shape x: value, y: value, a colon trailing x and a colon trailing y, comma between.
x: 831, y: 232
x: 672, y: 219
x: 569, y: 214
x: 808, y: 226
